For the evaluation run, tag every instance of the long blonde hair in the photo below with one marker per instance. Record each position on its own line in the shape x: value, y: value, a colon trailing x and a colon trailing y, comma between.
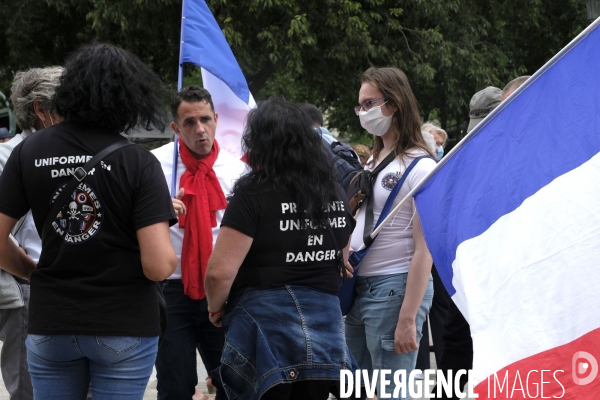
x: 393, y: 83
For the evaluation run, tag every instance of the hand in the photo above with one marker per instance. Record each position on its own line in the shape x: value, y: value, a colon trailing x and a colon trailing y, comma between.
x: 216, y: 320
x: 405, y: 337
x: 349, y: 267
x: 349, y: 270
x: 178, y: 204
x: 199, y: 396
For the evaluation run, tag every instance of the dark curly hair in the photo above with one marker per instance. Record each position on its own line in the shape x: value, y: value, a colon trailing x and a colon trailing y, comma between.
x: 313, y: 112
x: 109, y: 87
x: 284, y: 149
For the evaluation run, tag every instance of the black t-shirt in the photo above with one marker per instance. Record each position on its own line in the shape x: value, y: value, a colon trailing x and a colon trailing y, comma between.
x: 89, y: 278
x: 282, y: 253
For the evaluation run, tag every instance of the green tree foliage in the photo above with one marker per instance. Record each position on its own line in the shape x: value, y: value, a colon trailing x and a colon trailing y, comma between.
x: 37, y: 33
x: 315, y: 50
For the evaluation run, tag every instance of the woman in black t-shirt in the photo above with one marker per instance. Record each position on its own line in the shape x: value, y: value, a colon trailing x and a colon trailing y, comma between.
x: 276, y: 263
x: 94, y: 314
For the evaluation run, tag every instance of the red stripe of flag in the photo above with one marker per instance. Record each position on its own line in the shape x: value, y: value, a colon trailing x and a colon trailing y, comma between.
x: 550, y: 374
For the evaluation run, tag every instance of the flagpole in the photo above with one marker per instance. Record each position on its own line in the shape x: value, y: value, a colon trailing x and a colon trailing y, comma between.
x: 180, y: 75
x: 179, y: 87
x: 483, y: 123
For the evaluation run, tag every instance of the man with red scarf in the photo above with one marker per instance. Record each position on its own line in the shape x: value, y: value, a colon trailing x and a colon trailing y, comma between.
x: 203, y: 176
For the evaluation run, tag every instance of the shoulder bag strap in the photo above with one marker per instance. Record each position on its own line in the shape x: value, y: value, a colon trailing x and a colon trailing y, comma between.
x: 369, y: 208
x: 78, y: 177
x: 174, y: 167
x: 338, y: 255
x: 388, y: 204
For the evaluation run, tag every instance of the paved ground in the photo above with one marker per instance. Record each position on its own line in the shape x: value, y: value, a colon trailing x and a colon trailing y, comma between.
x: 151, y: 390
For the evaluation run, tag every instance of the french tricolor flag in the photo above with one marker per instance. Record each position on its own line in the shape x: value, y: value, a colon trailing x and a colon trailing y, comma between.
x: 203, y: 44
x: 512, y: 219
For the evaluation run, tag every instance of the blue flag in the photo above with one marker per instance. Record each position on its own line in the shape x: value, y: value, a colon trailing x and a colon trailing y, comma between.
x: 512, y: 220
x: 203, y: 44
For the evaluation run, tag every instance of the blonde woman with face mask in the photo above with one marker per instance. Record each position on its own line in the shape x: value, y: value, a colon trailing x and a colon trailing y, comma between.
x: 394, y: 286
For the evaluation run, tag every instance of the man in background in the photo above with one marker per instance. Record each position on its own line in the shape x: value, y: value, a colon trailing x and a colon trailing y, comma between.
x: 5, y: 135
x: 200, y: 179
x: 458, y: 344
x: 513, y: 85
x: 32, y: 92
x: 482, y: 103
x: 344, y: 159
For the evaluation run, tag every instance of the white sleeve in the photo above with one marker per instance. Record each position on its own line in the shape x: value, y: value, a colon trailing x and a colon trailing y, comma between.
x: 419, y: 172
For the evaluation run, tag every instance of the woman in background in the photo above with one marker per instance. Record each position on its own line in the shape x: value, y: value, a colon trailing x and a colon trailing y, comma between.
x: 439, y: 135
x: 364, y: 153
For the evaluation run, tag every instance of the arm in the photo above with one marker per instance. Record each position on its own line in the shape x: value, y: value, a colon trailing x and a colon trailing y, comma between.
x: 12, y: 259
x: 346, y: 252
x: 178, y: 205
x: 405, y: 337
x: 158, y: 257
x: 227, y: 257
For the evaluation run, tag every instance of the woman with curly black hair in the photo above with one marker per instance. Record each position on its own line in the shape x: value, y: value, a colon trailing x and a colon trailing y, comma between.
x: 276, y: 262
x: 94, y: 314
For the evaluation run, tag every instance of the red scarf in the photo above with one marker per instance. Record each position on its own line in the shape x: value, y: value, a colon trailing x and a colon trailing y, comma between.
x: 202, y: 197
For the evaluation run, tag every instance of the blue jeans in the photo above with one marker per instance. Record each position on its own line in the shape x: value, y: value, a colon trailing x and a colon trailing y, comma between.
x: 63, y: 366
x: 371, y: 323
x: 188, y: 330
x: 282, y: 336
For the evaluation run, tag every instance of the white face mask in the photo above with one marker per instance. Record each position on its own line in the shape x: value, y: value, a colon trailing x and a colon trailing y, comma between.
x: 374, y: 121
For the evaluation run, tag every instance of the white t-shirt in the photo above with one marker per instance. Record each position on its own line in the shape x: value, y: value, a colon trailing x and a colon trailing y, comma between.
x: 27, y: 236
x: 393, y: 248
x: 227, y: 168
x: 29, y: 239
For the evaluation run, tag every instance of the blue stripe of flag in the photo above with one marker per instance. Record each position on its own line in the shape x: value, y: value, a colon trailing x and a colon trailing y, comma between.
x: 549, y: 129
x: 205, y: 45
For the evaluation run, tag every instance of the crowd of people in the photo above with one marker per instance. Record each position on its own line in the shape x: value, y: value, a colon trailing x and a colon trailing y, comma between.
x: 115, y: 260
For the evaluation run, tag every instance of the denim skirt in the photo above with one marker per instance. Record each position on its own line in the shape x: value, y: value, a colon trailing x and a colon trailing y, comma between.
x: 281, y: 335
